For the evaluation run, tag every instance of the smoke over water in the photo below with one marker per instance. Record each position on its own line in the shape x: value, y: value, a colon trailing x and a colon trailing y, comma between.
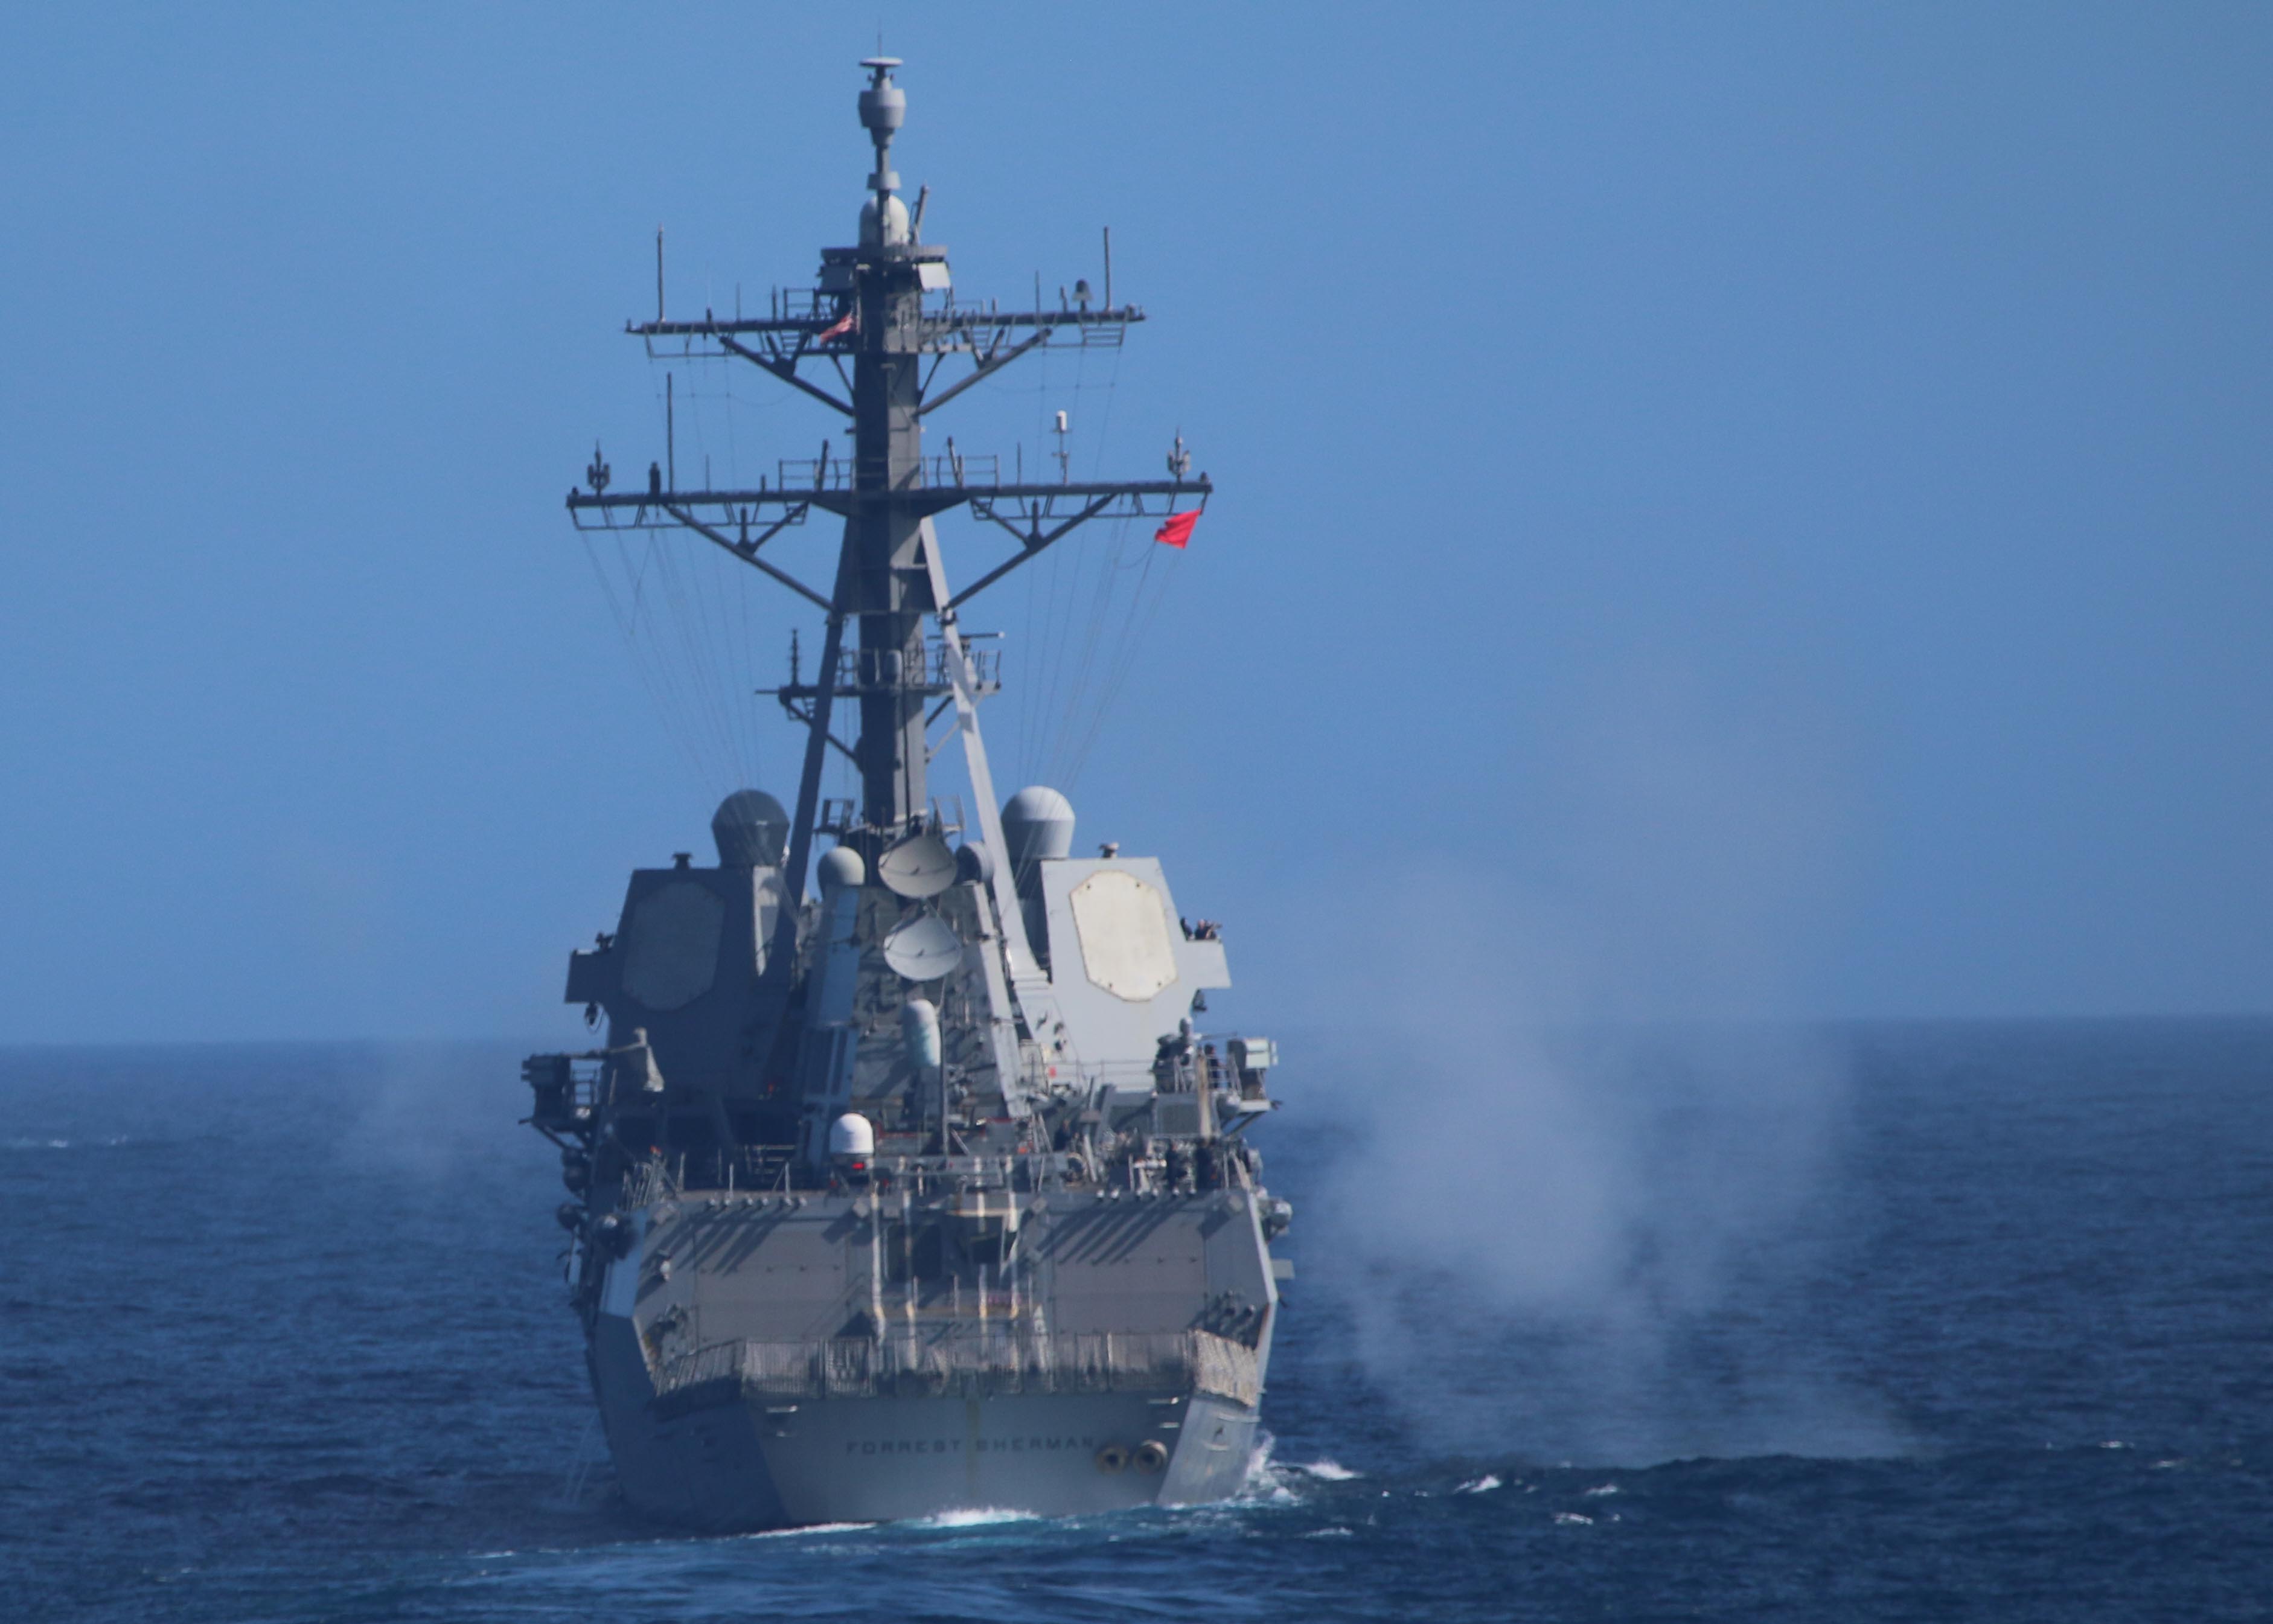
x: 1585, y: 1192
x: 1589, y: 1244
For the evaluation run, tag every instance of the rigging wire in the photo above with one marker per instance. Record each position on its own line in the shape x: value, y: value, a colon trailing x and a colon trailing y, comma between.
x: 1039, y: 656
x: 1063, y: 575
x: 1094, y: 620
x: 625, y: 592
x: 1085, y: 636
x: 1143, y: 613
x: 1119, y: 662
x: 686, y: 613
x: 1088, y: 609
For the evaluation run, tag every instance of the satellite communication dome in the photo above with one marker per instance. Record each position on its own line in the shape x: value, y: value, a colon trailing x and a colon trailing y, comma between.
x: 841, y: 867
x: 751, y: 828
x: 851, y: 1135
x: 896, y: 223
x: 1037, y: 824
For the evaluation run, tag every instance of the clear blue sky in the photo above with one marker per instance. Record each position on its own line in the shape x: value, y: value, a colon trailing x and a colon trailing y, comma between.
x: 1723, y: 509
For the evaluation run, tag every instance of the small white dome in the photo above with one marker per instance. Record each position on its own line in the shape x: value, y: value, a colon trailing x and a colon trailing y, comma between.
x: 851, y: 1135
x: 842, y: 867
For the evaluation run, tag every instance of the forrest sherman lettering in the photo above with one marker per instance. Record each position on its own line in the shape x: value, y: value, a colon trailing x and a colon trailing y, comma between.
x: 954, y: 1446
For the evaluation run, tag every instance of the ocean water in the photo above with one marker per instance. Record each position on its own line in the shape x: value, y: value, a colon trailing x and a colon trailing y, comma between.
x: 281, y: 1336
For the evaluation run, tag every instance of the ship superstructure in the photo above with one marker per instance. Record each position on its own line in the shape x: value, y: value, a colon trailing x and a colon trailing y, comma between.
x: 921, y: 1191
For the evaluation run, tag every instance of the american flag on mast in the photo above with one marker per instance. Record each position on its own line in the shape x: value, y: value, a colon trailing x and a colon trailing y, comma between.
x: 849, y: 322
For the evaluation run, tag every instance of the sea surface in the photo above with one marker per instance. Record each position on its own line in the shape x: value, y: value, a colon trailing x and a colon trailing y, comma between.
x: 282, y: 1336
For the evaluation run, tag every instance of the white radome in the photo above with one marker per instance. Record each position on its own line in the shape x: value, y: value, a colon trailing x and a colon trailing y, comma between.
x: 851, y: 1135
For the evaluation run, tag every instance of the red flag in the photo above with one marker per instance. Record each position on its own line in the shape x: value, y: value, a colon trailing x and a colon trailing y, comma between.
x: 849, y: 322
x: 1178, y: 531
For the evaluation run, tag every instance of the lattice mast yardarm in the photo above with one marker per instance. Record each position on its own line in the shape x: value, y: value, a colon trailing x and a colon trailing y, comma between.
x: 885, y: 324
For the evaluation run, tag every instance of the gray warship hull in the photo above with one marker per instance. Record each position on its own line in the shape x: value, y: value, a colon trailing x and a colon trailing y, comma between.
x: 740, y: 1465
x: 940, y: 1411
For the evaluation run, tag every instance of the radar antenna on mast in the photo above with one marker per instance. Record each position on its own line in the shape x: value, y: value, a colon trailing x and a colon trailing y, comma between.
x: 882, y: 319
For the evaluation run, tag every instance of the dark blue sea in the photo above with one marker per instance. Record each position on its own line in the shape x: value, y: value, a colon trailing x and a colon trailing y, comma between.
x: 1949, y: 1321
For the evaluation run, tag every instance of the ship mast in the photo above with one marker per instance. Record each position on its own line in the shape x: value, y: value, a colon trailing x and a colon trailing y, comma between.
x: 885, y: 320
x: 883, y: 579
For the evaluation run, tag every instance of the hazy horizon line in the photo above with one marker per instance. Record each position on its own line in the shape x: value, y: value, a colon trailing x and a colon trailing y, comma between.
x: 1661, y: 1024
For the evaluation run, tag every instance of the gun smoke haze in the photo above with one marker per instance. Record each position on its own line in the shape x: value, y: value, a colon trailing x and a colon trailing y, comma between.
x: 431, y: 1112
x: 1588, y: 1157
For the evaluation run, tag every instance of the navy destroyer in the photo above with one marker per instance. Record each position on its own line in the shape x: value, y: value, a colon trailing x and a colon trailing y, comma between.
x: 917, y: 1188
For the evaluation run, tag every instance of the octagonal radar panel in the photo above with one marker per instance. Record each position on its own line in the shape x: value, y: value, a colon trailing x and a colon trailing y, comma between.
x: 923, y: 948
x: 1123, y: 926
x: 922, y: 865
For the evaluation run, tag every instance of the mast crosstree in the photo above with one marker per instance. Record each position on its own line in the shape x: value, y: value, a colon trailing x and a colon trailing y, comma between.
x: 884, y: 320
